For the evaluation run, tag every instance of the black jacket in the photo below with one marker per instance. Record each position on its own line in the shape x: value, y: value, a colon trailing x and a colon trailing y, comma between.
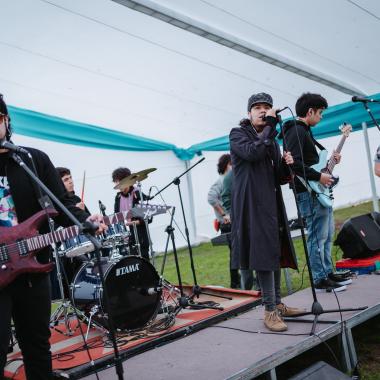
x: 301, y: 144
x: 25, y: 194
x: 258, y: 210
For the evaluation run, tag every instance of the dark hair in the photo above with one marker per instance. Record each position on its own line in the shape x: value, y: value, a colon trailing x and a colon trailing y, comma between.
x: 223, y: 161
x: 120, y: 173
x: 63, y: 171
x: 4, y: 110
x: 244, y: 122
x: 309, y: 100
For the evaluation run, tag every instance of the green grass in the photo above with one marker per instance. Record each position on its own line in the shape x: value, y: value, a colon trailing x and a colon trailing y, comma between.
x: 211, y: 263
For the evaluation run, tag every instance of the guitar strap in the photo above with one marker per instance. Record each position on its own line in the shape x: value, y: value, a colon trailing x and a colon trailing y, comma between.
x: 320, y: 146
x: 43, y: 199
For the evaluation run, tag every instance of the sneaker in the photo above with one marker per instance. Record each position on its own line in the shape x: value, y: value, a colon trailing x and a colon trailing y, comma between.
x: 287, y: 311
x: 273, y: 322
x: 340, y: 279
x: 327, y: 285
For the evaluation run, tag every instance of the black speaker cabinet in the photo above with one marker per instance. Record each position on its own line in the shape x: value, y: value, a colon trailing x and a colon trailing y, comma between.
x: 320, y: 371
x: 359, y: 237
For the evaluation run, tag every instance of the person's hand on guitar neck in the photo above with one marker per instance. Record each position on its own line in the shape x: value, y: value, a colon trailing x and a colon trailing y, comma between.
x: 326, y: 179
x: 336, y: 157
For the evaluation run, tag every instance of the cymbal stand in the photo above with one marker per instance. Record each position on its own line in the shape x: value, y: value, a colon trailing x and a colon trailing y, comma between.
x: 197, y: 290
x: 152, y: 253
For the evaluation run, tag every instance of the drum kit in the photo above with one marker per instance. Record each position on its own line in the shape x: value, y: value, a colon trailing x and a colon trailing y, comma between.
x: 135, y: 290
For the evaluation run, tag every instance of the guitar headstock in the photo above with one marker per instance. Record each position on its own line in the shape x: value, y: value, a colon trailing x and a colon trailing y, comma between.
x: 346, y: 129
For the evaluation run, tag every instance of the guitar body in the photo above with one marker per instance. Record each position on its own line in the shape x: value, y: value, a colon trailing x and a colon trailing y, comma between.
x: 15, y: 258
x: 323, y: 193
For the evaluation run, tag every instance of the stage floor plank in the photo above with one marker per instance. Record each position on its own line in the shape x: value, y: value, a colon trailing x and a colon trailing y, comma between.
x: 219, y: 353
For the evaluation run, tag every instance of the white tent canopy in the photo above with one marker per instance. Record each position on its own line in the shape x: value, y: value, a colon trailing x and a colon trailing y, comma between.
x: 104, y: 63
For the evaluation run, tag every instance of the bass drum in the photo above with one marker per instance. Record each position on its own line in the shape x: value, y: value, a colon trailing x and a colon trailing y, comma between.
x: 133, y: 290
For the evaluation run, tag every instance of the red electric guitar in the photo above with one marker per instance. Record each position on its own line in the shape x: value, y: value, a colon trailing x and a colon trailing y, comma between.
x: 20, y: 244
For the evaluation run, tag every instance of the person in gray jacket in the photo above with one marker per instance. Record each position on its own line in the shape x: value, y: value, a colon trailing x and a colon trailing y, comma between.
x: 214, y: 198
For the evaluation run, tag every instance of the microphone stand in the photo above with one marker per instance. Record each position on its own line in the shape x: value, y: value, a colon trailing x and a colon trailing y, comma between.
x: 88, y: 229
x: 365, y: 105
x: 316, y: 308
x: 196, y: 290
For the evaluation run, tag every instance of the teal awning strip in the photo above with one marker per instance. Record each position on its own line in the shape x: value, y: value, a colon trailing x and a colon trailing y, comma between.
x: 42, y: 126
x: 333, y: 117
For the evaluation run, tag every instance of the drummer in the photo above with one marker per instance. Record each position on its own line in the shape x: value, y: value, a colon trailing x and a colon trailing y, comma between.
x: 67, y: 180
x: 70, y: 265
x: 127, y: 198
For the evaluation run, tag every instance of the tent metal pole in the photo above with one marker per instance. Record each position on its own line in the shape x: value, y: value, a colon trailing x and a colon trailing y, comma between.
x: 375, y: 198
x: 190, y: 191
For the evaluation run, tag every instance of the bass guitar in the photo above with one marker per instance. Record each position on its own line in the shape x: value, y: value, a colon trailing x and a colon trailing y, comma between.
x: 323, y: 193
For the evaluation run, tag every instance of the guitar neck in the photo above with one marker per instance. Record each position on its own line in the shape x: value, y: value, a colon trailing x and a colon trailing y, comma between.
x: 42, y: 241
x: 332, y: 162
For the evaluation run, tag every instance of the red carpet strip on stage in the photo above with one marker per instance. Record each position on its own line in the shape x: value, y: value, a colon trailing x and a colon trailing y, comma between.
x: 68, y: 351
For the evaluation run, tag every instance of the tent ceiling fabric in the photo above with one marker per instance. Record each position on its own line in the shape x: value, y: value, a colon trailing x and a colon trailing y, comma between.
x: 100, y: 63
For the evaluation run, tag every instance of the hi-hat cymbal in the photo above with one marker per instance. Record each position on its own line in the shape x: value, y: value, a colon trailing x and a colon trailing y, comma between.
x: 133, y: 178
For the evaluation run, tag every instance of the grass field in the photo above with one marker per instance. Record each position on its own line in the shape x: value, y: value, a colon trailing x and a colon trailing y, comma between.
x: 211, y: 265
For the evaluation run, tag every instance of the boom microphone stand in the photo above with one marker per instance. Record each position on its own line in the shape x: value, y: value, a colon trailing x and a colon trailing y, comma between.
x: 365, y: 105
x: 197, y: 290
x: 316, y: 308
x: 88, y: 229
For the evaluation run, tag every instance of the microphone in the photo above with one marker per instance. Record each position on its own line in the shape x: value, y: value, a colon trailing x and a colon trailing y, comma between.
x: 14, y: 148
x: 102, y: 208
x: 150, y: 291
x: 364, y: 100
x: 277, y: 112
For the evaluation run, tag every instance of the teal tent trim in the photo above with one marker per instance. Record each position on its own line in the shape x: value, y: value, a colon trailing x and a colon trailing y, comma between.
x: 333, y: 117
x: 42, y: 126
x: 52, y: 128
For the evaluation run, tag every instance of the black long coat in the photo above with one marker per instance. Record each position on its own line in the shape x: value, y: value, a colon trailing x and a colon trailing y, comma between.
x: 258, y: 210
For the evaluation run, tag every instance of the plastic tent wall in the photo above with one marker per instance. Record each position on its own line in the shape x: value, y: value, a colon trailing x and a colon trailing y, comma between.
x: 102, y: 63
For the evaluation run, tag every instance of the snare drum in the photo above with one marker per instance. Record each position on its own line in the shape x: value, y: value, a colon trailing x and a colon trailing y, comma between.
x: 133, y: 290
x: 77, y: 246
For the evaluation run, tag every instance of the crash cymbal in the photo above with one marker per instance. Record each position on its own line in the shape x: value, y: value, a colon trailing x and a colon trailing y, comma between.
x: 133, y: 178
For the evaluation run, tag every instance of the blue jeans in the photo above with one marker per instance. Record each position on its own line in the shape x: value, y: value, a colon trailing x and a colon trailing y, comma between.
x: 320, y: 230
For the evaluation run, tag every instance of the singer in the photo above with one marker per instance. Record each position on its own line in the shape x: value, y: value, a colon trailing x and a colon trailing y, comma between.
x: 260, y: 234
x: 27, y: 299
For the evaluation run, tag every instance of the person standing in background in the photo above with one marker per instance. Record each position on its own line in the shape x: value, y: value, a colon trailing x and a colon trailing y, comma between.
x: 214, y: 198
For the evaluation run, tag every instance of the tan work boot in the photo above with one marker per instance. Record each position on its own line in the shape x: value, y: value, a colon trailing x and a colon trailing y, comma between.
x: 287, y: 311
x: 273, y: 322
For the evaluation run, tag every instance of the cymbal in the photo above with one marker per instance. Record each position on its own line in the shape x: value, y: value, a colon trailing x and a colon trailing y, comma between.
x: 133, y: 178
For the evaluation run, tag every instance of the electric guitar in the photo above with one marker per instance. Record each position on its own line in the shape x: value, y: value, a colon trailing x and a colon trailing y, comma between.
x: 323, y: 193
x: 20, y: 244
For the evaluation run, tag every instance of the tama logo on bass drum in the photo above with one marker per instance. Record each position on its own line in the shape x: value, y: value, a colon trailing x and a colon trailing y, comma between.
x: 128, y: 269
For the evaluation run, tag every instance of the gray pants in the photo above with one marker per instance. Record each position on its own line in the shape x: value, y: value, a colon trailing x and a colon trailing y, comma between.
x: 249, y: 280
x: 270, y: 283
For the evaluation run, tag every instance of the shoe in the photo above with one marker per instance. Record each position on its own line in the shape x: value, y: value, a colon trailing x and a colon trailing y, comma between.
x: 327, y: 285
x: 340, y: 279
x: 273, y: 322
x: 287, y: 311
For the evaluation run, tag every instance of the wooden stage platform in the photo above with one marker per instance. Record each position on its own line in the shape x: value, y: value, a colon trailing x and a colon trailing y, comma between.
x: 240, y: 348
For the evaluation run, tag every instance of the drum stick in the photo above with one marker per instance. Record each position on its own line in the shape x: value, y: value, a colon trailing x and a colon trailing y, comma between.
x: 83, y: 183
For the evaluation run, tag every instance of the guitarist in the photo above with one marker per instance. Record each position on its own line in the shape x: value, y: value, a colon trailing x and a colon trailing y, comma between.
x: 319, y: 219
x: 27, y: 299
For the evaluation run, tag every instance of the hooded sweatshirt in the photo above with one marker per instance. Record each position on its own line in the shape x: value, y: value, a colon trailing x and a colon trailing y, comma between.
x: 301, y: 144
